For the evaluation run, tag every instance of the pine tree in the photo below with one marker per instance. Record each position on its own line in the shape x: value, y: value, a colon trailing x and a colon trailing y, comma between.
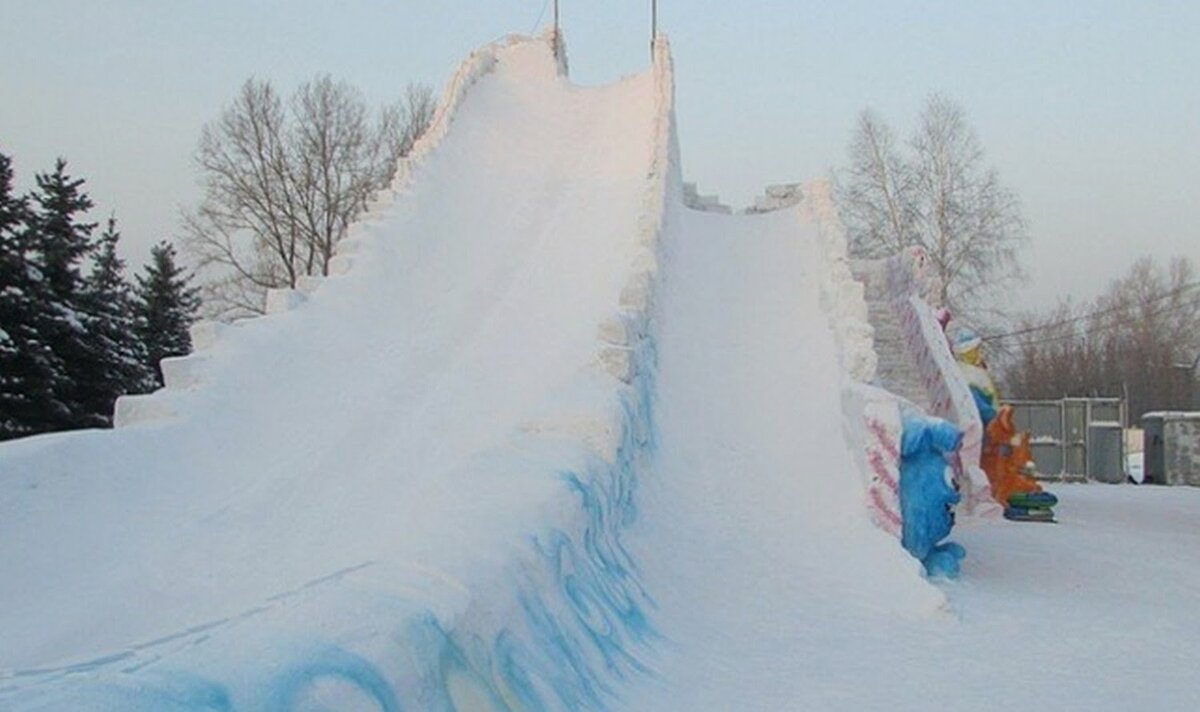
x: 57, y: 243
x: 121, y: 364
x: 167, y: 306
x: 30, y: 370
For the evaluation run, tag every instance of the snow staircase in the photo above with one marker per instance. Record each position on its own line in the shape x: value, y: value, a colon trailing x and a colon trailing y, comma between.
x: 896, y: 370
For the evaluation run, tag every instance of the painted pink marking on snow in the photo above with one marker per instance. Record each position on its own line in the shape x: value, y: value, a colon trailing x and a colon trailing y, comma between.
x: 891, y: 521
x: 882, y: 471
x: 886, y: 441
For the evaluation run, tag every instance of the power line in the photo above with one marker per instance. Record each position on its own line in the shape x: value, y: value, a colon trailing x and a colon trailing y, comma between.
x: 1108, y: 325
x: 1099, y: 312
x: 537, y: 23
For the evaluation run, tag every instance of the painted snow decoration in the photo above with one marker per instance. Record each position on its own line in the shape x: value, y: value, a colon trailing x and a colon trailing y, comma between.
x: 949, y: 394
x: 926, y: 494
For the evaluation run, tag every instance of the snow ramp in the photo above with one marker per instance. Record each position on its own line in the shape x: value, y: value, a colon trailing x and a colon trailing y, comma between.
x: 441, y: 480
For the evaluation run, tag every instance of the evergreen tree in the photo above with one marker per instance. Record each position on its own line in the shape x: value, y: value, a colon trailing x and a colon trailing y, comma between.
x: 167, y: 305
x: 57, y: 243
x: 121, y: 364
x: 31, y: 373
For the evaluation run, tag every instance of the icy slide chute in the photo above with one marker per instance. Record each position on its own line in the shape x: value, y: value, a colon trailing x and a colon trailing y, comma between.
x: 319, y: 511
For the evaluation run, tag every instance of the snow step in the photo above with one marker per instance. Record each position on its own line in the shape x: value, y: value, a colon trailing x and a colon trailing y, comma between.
x: 619, y: 362
x: 205, y: 334
x: 144, y: 408
x: 282, y: 300
x: 340, y: 264
x: 308, y: 284
x: 180, y: 372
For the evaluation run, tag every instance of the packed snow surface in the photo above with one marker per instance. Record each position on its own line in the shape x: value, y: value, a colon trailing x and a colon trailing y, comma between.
x: 551, y: 444
x: 754, y: 536
x: 1092, y: 613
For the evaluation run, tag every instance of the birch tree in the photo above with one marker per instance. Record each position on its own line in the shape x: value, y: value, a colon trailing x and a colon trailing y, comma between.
x: 938, y: 193
x: 284, y: 179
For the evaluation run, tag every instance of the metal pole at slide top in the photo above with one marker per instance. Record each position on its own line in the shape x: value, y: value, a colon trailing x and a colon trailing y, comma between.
x: 653, y: 25
x: 556, y: 34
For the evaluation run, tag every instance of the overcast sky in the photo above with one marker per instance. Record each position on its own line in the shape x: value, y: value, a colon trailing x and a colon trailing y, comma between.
x: 1089, y: 109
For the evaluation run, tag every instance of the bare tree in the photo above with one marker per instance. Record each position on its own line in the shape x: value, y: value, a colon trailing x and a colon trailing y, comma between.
x: 938, y: 195
x: 411, y: 116
x: 876, y: 195
x: 284, y: 181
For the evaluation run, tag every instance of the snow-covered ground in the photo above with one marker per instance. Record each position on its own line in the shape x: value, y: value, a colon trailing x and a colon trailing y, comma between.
x: 1096, y: 612
x: 553, y: 442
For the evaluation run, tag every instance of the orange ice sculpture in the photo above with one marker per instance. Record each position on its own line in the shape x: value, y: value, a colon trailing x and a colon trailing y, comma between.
x: 1005, y: 457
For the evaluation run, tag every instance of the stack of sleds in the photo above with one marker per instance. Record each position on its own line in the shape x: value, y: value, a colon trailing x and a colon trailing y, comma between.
x: 1030, y: 507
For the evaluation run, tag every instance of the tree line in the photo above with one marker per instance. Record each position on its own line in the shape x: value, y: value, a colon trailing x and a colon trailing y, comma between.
x: 1139, y: 340
x: 75, y: 333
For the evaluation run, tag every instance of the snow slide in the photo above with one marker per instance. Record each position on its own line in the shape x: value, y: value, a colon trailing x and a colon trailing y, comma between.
x: 754, y: 535
x: 405, y: 491
x: 549, y: 441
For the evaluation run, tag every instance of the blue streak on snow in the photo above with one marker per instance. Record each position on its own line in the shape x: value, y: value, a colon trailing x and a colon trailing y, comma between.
x: 331, y: 664
x: 583, y: 633
x: 167, y: 692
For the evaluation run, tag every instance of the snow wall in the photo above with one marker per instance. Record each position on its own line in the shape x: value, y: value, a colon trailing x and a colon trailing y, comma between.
x: 871, y: 415
x: 560, y: 622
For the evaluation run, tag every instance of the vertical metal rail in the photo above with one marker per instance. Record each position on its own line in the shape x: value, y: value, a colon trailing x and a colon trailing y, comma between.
x: 556, y: 32
x: 653, y: 26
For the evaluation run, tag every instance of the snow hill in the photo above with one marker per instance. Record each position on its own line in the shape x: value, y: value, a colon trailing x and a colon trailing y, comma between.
x: 549, y: 441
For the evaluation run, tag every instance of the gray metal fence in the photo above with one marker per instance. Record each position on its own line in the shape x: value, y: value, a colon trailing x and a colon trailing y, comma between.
x: 1073, y: 438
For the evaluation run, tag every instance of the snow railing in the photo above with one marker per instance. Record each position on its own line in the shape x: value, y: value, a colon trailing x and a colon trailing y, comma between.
x: 949, y: 395
x: 871, y: 415
x: 625, y: 342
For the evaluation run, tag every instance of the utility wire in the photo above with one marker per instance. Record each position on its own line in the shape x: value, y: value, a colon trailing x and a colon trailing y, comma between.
x: 538, y: 22
x: 1105, y: 326
x: 1089, y: 315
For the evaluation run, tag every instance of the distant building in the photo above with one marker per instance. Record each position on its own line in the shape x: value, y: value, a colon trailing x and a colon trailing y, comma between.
x: 1172, y: 448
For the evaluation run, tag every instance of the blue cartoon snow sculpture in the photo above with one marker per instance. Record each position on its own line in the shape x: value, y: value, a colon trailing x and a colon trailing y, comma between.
x: 926, y: 496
